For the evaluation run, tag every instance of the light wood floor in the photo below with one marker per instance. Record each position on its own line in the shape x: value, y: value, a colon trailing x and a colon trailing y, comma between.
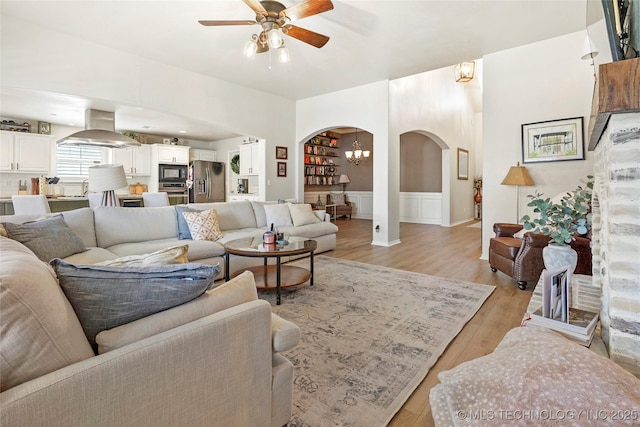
x: 452, y: 252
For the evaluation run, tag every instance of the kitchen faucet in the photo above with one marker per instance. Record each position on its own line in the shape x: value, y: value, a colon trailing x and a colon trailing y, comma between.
x: 84, y: 187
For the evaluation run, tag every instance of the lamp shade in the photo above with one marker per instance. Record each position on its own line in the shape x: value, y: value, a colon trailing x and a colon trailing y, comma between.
x: 517, y: 175
x: 107, y: 177
x: 344, y: 179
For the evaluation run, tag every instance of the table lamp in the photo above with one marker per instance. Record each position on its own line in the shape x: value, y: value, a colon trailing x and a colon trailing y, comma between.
x: 107, y: 178
x: 344, y: 180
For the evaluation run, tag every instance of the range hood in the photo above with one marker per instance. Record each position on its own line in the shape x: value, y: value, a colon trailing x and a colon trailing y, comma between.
x: 99, y: 132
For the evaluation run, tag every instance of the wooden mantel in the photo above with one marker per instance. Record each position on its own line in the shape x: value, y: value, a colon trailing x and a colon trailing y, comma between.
x: 617, y: 91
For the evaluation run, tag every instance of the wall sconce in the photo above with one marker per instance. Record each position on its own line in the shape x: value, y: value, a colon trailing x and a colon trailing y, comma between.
x: 464, y: 71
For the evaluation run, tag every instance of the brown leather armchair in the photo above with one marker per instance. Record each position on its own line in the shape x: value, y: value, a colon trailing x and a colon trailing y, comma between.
x: 342, y: 208
x: 522, y: 258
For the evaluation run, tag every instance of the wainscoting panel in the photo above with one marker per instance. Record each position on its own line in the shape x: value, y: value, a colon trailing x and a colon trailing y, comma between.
x: 421, y: 208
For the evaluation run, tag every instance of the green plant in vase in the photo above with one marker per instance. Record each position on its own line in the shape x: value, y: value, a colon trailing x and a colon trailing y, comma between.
x: 561, y: 221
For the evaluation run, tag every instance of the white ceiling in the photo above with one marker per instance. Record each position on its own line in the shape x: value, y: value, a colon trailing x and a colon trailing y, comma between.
x: 370, y: 41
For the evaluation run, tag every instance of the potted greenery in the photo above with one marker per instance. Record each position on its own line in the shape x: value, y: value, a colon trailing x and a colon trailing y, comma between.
x: 561, y: 221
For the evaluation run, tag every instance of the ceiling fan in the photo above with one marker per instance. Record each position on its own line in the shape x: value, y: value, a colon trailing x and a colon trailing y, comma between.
x: 274, y: 18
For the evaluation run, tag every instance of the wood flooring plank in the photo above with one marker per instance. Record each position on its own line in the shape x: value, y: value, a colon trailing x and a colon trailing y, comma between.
x: 452, y: 252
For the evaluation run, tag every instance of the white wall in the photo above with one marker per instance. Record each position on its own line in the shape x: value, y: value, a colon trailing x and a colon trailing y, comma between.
x: 533, y: 83
x: 41, y: 59
x: 434, y: 104
x: 365, y: 107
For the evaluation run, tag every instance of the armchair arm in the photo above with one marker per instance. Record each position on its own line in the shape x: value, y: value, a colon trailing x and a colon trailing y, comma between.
x: 284, y: 334
x: 536, y: 240
x: 529, y: 263
x: 504, y: 229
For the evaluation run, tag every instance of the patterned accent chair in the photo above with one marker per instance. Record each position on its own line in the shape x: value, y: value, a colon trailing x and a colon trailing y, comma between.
x: 342, y: 205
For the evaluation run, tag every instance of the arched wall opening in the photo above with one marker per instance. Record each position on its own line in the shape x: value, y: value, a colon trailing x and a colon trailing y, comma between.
x: 424, y: 178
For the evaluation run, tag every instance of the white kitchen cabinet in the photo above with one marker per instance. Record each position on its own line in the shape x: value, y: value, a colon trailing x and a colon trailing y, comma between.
x: 172, y: 154
x: 240, y: 197
x: 25, y: 152
x: 199, y: 154
x: 250, y: 159
x: 136, y: 161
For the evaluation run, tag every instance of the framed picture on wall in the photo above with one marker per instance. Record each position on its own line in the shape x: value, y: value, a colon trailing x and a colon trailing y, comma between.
x: 282, y: 169
x: 281, y: 153
x: 463, y: 164
x: 553, y: 140
x: 44, y: 128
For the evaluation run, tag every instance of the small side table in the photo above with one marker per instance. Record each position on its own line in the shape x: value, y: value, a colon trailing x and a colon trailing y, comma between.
x: 331, y: 210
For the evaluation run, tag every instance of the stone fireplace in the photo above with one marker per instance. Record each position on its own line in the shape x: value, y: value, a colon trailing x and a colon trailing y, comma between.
x: 616, y: 237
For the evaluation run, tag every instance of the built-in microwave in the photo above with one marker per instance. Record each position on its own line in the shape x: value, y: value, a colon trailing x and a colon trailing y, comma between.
x: 168, y: 173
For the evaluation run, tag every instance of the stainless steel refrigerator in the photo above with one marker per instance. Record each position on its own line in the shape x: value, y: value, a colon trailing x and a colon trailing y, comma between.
x: 208, y: 182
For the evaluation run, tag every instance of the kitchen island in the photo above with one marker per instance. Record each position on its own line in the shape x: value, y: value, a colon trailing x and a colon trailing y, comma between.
x: 67, y: 203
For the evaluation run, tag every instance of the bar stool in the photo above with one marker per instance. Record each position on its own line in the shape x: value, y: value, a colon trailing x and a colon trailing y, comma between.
x: 32, y: 204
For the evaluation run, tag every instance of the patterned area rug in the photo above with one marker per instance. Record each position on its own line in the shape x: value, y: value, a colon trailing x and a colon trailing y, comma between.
x: 369, y: 337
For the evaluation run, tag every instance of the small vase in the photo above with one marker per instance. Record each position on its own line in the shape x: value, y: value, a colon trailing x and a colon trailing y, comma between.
x: 557, y: 256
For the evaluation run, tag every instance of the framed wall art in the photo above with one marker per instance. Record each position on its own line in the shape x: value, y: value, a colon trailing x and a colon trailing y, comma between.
x: 463, y: 164
x: 282, y: 169
x: 44, y: 128
x: 281, y: 153
x: 553, y: 140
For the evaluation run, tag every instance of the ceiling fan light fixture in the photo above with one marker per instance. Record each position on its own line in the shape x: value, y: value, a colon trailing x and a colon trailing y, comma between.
x: 274, y: 37
x: 464, y: 71
x: 283, y: 55
x: 250, y: 48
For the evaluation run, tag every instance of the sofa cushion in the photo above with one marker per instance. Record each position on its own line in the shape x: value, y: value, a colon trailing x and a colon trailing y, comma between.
x: 258, y: 211
x: 116, y: 225
x: 40, y: 332
x: 174, y: 255
x: 311, y: 231
x: 183, y: 226
x: 278, y: 215
x: 238, y: 290
x: 302, y: 214
x: 104, y: 297
x: 231, y: 215
x: 337, y: 199
x: 203, y: 225
x: 48, y: 238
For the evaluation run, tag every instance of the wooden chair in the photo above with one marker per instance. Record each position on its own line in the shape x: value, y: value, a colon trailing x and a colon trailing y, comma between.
x: 342, y: 205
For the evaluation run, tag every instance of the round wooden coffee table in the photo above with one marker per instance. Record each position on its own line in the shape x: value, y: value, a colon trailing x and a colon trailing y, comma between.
x: 272, y: 276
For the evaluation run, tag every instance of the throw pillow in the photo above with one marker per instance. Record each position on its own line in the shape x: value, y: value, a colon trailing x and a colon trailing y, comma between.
x: 302, y: 214
x: 337, y: 199
x: 175, y: 255
x: 48, y: 238
x: 278, y: 215
x: 104, y: 297
x: 183, y: 227
x: 203, y: 225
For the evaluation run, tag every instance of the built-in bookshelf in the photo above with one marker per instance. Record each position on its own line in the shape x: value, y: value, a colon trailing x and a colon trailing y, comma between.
x: 320, y: 155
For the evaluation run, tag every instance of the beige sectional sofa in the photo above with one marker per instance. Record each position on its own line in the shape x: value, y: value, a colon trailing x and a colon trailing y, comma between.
x: 112, y: 232
x: 211, y: 361
x: 214, y: 360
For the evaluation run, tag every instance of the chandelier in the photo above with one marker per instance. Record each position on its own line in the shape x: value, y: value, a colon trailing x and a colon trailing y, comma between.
x: 357, y: 155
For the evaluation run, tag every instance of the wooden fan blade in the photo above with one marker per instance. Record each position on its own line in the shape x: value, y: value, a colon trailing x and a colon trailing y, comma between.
x: 215, y: 23
x: 306, y: 8
x: 256, y: 6
x: 307, y: 36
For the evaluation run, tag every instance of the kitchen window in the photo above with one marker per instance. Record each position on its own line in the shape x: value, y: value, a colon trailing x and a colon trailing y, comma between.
x: 74, y: 162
